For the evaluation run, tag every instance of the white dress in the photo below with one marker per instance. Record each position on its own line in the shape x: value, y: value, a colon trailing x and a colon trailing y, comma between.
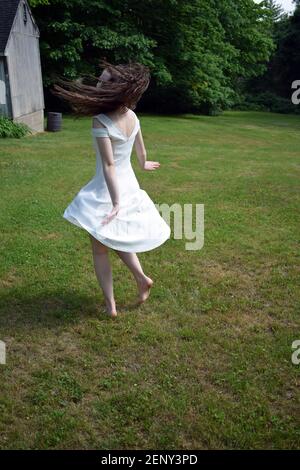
x: 138, y: 226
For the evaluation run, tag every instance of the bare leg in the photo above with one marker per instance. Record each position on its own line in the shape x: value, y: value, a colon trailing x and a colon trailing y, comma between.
x: 104, y: 274
x: 144, y: 282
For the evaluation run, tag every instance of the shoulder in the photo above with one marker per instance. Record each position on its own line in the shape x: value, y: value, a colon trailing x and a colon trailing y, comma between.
x: 135, y: 117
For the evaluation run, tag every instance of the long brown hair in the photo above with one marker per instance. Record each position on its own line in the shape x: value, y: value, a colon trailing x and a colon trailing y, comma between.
x: 123, y: 90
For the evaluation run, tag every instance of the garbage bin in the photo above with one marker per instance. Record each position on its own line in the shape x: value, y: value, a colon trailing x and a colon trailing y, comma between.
x: 54, y: 121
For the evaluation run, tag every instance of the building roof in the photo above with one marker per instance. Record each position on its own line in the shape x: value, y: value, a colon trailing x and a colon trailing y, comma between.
x: 8, y: 9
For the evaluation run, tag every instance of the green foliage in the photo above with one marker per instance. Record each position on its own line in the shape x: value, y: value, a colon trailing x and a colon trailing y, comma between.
x: 272, y: 91
x: 197, y: 51
x: 9, y: 128
x: 35, y: 3
x: 285, y: 66
x: 266, y: 101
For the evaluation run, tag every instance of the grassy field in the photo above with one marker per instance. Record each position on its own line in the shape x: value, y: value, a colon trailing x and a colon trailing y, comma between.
x: 206, y: 361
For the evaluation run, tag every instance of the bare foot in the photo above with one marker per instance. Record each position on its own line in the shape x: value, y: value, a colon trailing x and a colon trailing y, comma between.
x: 144, y: 286
x: 111, y: 309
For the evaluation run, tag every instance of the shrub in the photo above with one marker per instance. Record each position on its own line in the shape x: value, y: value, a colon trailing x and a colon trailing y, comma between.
x: 267, y: 101
x: 9, y: 128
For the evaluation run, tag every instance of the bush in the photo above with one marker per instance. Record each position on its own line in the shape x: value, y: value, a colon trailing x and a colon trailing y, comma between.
x: 267, y: 101
x: 9, y: 128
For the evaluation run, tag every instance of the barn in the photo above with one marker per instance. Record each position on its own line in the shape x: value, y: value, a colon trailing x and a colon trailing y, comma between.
x: 21, y: 86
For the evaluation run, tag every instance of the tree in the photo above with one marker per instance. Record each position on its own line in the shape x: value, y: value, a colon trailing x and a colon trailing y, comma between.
x: 198, y: 51
x: 274, y: 88
x: 285, y: 65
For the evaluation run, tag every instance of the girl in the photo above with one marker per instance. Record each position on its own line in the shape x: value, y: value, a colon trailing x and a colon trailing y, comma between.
x: 112, y: 207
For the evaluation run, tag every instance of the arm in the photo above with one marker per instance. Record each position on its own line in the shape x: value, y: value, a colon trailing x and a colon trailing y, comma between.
x: 106, y: 152
x: 142, y: 154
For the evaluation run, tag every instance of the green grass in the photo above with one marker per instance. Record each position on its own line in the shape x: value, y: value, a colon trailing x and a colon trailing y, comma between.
x: 206, y: 361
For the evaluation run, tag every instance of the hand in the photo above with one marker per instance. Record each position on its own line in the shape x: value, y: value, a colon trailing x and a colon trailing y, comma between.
x: 110, y: 216
x: 148, y: 165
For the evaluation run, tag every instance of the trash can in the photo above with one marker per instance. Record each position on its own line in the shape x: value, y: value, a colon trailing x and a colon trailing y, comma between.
x: 54, y: 121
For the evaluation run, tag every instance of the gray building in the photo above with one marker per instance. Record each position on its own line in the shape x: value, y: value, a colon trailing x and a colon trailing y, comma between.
x: 21, y: 86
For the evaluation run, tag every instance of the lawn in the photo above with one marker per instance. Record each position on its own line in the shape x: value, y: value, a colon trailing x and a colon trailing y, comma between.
x: 206, y: 361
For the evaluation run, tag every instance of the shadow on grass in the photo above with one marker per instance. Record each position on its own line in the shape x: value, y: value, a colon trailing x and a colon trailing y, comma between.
x: 53, y: 309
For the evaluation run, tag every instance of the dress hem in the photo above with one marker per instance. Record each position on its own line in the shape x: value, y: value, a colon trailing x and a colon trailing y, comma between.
x: 105, y: 241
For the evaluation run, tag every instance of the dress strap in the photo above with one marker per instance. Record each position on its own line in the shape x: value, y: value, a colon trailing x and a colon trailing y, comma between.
x: 103, y: 119
x: 101, y: 132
